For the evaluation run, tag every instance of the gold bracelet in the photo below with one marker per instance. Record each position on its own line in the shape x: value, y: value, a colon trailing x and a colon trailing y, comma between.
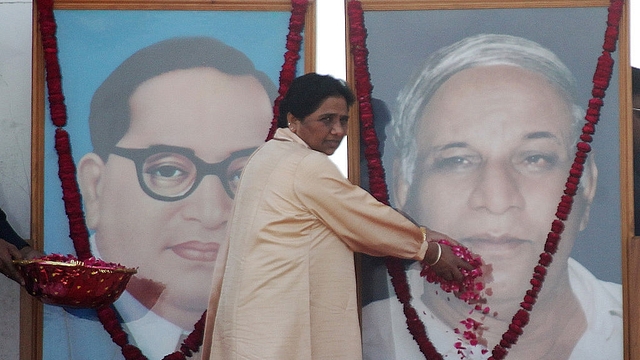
x: 439, y: 255
x: 424, y: 237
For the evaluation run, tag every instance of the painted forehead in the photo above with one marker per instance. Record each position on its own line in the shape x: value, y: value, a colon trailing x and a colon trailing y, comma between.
x: 512, y: 99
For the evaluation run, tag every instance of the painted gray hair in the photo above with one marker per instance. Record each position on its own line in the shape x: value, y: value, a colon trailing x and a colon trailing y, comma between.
x: 474, y: 51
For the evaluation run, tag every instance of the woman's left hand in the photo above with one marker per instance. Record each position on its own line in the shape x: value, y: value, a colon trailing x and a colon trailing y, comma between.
x: 442, y: 259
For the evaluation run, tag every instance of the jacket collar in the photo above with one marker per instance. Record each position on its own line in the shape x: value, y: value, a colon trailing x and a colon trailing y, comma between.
x: 285, y: 134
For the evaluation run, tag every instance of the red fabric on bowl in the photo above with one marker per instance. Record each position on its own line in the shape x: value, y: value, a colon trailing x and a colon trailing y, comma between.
x: 66, y: 281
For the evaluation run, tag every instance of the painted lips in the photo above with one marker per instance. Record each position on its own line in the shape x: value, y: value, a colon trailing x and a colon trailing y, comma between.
x: 496, y: 247
x: 197, y: 250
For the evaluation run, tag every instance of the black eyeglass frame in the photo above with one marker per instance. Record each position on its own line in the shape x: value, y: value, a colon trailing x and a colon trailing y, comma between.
x: 203, y: 168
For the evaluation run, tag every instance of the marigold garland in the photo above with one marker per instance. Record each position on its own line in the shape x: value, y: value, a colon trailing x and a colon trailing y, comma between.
x: 602, y: 76
x: 79, y: 232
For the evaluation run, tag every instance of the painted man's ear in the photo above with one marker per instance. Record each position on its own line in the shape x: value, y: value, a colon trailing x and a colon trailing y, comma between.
x: 400, y: 186
x: 588, y: 184
x: 90, y: 171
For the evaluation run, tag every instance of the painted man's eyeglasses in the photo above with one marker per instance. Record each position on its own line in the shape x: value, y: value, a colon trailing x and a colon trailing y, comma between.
x: 171, y: 173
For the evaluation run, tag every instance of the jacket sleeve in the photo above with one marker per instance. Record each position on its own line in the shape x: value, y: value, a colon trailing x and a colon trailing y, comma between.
x: 8, y: 234
x: 362, y: 222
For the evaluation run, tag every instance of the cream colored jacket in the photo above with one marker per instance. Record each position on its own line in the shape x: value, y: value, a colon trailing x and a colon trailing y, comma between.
x: 289, y: 284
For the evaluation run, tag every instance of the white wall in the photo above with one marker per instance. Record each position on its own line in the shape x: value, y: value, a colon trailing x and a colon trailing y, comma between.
x: 331, y: 54
x: 15, y: 149
x: 15, y: 112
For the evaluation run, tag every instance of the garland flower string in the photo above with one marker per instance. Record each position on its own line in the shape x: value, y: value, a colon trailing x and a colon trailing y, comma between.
x: 291, y: 56
x: 378, y: 186
x: 66, y: 167
x: 601, y: 80
x: 67, y: 170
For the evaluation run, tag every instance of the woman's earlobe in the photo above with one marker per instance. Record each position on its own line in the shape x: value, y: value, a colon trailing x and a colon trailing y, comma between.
x: 292, y: 121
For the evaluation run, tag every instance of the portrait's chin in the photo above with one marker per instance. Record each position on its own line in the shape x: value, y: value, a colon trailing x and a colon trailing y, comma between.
x: 506, y: 291
x: 189, y: 294
x: 190, y: 289
x: 146, y: 291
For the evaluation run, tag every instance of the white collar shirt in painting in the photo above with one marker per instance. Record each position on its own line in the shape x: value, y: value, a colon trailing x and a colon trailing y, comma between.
x: 386, y: 337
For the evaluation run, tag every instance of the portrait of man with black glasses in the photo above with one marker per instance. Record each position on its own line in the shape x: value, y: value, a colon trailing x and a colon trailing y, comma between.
x: 172, y: 128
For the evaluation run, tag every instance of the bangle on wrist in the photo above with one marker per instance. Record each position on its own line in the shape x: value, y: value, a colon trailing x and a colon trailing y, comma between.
x: 424, y: 237
x: 424, y: 233
x: 439, y: 254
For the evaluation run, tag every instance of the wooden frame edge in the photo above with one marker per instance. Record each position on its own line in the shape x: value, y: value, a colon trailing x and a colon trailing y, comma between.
x: 257, y: 5
x: 474, y: 4
x: 630, y: 244
x: 31, y: 310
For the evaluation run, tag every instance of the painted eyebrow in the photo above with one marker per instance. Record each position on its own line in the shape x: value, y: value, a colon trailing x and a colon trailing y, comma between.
x: 531, y: 136
x: 540, y: 135
x: 423, y: 153
x: 459, y: 144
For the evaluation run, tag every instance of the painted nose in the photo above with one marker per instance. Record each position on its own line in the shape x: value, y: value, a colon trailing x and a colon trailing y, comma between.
x: 497, y: 189
x: 209, y: 203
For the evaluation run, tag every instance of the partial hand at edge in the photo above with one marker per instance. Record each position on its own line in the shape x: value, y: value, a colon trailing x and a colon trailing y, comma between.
x: 29, y: 253
x: 8, y: 253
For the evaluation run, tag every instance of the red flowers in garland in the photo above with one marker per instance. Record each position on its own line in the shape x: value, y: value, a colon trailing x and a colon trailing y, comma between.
x: 67, y: 171
x: 291, y: 56
x: 363, y: 87
x: 601, y: 79
x: 377, y: 184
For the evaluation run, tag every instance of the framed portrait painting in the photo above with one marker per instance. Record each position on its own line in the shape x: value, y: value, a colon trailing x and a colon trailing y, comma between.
x: 478, y: 109
x: 164, y: 89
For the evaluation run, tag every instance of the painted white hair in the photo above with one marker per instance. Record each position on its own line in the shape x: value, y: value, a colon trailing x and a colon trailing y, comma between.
x: 475, y: 51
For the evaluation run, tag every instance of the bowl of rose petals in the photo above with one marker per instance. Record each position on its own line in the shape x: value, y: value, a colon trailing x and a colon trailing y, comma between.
x: 64, y: 280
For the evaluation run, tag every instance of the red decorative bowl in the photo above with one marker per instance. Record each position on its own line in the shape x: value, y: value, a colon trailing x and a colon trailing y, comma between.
x: 66, y: 281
